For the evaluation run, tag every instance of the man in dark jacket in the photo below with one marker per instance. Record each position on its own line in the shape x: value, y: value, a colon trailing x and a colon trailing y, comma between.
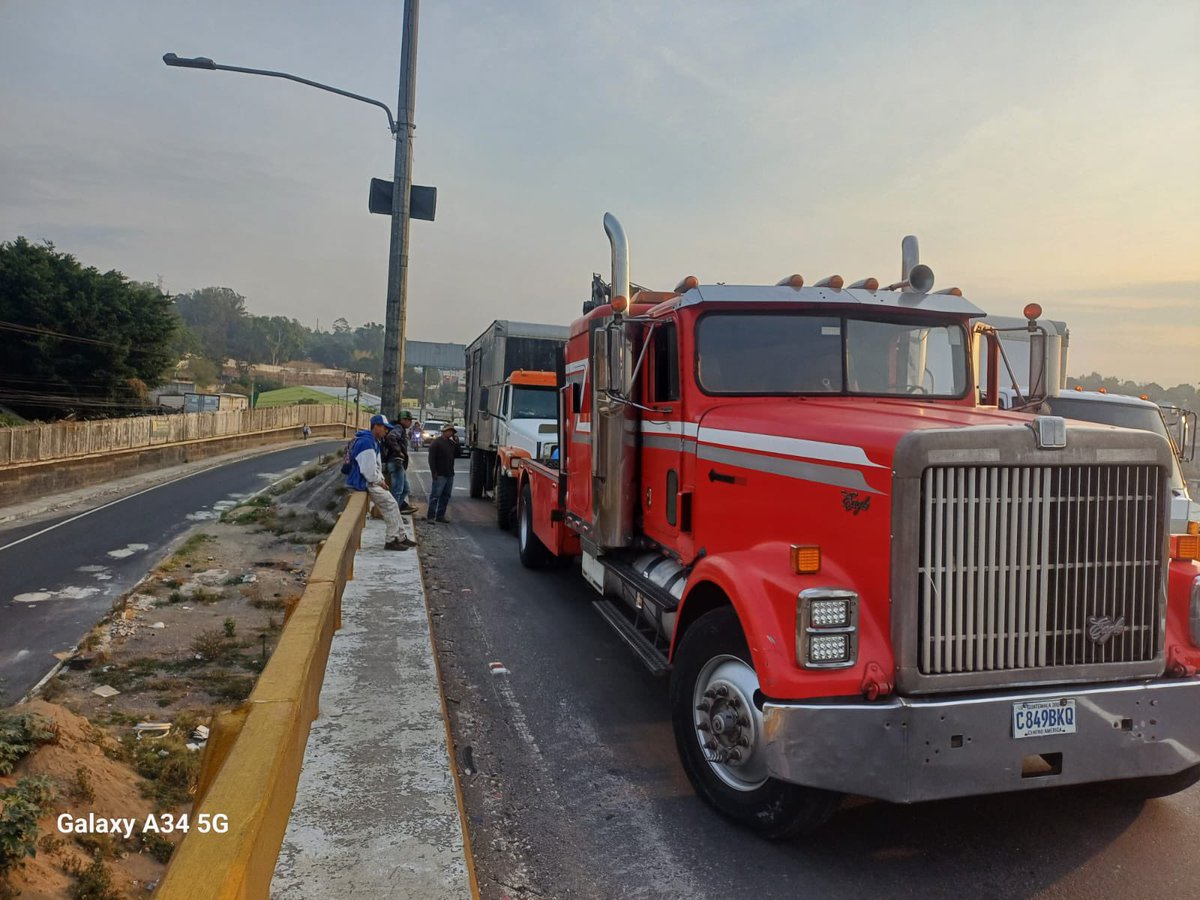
x: 366, y: 474
x: 395, y: 461
x: 442, y: 454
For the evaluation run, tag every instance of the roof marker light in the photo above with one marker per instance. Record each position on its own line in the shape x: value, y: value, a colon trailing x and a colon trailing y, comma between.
x: 952, y: 291
x: 792, y: 281
x: 686, y: 284
x: 867, y: 284
x: 833, y: 281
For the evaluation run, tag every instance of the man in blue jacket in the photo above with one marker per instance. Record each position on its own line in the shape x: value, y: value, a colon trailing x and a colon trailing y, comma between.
x: 366, y: 474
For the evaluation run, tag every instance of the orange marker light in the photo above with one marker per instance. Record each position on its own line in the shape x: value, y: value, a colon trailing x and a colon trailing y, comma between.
x: 1079, y: 387
x: 620, y: 304
x: 1185, y: 546
x: 792, y: 281
x: 687, y: 284
x: 806, y: 559
x: 1032, y: 311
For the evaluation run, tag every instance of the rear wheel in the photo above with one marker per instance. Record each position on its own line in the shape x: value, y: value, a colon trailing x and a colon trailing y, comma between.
x: 719, y: 734
x: 506, y: 500
x: 478, y: 474
x: 534, y: 554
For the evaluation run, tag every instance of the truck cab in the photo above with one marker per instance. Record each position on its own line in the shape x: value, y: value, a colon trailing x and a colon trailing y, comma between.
x: 859, y: 574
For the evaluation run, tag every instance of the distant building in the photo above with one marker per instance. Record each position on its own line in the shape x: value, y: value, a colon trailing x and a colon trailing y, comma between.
x: 214, y: 402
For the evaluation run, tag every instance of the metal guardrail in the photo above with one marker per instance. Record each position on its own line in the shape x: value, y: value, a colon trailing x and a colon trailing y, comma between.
x: 252, y: 761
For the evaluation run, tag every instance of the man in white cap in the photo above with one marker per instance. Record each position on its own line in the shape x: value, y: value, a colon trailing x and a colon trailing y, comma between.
x: 366, y: 474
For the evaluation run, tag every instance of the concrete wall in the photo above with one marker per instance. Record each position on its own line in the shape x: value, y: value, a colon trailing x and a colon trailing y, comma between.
x: 63, y: 440
x: 32, y: 480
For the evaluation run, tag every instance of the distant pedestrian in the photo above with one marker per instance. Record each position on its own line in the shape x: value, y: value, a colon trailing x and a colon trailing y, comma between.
x: 442, y: 454
x: 395, y: 462
x: 306, y: 431
x: 366, y: 474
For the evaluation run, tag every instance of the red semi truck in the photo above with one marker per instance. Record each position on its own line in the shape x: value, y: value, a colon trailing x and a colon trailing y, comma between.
x: 862, y: 577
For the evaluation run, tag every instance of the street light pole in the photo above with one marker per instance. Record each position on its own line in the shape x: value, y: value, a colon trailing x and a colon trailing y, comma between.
x: 395, y: 321
x: 397, y: 289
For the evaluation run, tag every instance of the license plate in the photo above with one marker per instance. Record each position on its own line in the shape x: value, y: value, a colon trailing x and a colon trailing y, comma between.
x: 1038, y: 718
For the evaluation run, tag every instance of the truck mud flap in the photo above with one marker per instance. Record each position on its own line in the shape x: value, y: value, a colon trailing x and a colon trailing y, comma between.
x: 635, y: 632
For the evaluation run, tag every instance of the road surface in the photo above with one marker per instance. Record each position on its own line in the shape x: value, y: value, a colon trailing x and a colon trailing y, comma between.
x: 58, y: 577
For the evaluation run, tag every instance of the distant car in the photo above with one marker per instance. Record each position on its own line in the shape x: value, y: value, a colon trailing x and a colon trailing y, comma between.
x: 430, y: 430
x: 460, y: 432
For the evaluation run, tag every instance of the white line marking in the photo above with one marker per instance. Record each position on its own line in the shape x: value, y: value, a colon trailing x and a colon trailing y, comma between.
x: 30, y: 537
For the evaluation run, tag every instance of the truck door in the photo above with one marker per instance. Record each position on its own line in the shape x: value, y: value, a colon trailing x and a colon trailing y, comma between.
x: 665, y: 502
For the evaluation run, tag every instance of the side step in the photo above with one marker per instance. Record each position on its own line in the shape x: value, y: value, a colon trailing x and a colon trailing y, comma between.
x: 639, y: 641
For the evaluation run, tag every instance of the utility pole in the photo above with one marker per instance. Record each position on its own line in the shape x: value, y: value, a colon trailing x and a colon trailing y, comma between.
x: 358, y: 399
x: 397, y: 296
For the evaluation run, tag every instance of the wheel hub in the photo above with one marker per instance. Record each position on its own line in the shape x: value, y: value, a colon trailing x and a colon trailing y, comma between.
x: 728, y: 725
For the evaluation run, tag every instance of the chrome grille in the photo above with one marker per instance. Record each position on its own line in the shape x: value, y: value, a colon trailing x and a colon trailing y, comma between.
x: 1018, y: 564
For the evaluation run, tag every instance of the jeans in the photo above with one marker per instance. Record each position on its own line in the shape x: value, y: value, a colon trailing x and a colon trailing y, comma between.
x: 439, y: 496
x: 399, y: 479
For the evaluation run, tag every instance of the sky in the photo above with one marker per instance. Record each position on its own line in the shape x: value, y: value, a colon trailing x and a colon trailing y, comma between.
x: 1044, y: 151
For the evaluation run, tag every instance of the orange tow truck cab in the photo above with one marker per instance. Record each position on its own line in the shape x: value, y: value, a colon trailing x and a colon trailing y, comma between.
x: 861, y: 576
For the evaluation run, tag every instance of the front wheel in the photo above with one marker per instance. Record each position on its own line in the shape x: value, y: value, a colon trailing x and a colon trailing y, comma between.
x: 533, y: 552
x: 719, y: 734
x: 506, y: 500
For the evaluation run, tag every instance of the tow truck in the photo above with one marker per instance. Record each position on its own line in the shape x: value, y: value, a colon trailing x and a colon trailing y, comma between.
x: 861, y: 576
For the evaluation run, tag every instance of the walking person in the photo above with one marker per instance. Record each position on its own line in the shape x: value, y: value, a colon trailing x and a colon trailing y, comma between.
x: 305, y: 431
x: 442, y: 454
x: 366, y: 474
x: 395, y: 462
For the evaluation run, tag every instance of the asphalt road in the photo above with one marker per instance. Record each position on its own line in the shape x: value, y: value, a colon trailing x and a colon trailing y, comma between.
x: 573, y: 787
x: 58, y: 577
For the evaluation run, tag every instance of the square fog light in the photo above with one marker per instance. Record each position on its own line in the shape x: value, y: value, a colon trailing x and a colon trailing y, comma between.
x: 829, y: 648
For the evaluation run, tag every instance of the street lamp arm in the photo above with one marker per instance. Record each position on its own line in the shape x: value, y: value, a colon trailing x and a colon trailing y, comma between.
x: 203, y: 62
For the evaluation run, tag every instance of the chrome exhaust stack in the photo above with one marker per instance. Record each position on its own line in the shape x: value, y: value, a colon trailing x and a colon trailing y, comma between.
x: 614, y: 422
x: 914, y: 276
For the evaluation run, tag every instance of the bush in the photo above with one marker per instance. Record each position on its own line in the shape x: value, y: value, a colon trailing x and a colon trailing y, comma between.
x: 230, y: 627
x: 20, y: 809
x: 171, y: 778
x: 80, y: 788
x: 20, y: 735
x: 158, y: 846
x: 93, y: 882
x: 210, y: 643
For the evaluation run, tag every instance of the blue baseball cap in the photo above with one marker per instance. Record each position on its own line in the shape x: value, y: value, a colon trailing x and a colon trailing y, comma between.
x: 380, y: 419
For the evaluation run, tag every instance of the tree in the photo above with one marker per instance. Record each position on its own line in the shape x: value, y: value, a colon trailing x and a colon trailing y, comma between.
x: 77, y: 342
x: 216, y: 316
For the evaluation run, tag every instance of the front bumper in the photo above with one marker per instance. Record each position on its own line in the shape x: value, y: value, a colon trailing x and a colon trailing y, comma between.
x: 910, y: 749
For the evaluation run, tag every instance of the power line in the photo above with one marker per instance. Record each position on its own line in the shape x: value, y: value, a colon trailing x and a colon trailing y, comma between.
x: 46, y: 332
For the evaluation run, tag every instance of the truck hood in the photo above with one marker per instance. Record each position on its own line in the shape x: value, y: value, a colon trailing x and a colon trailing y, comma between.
x: 859, y: 432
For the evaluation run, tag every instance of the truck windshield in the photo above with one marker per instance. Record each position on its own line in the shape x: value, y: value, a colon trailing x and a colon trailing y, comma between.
x: 535, y: 403
x: 786, y: 353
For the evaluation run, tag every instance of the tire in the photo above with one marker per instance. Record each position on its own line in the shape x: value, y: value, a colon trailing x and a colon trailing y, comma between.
x: 506, y: 501
x: 1158, y: 785
x: 713, y: 658
x: 533, y: 552
x: 478, y: 474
